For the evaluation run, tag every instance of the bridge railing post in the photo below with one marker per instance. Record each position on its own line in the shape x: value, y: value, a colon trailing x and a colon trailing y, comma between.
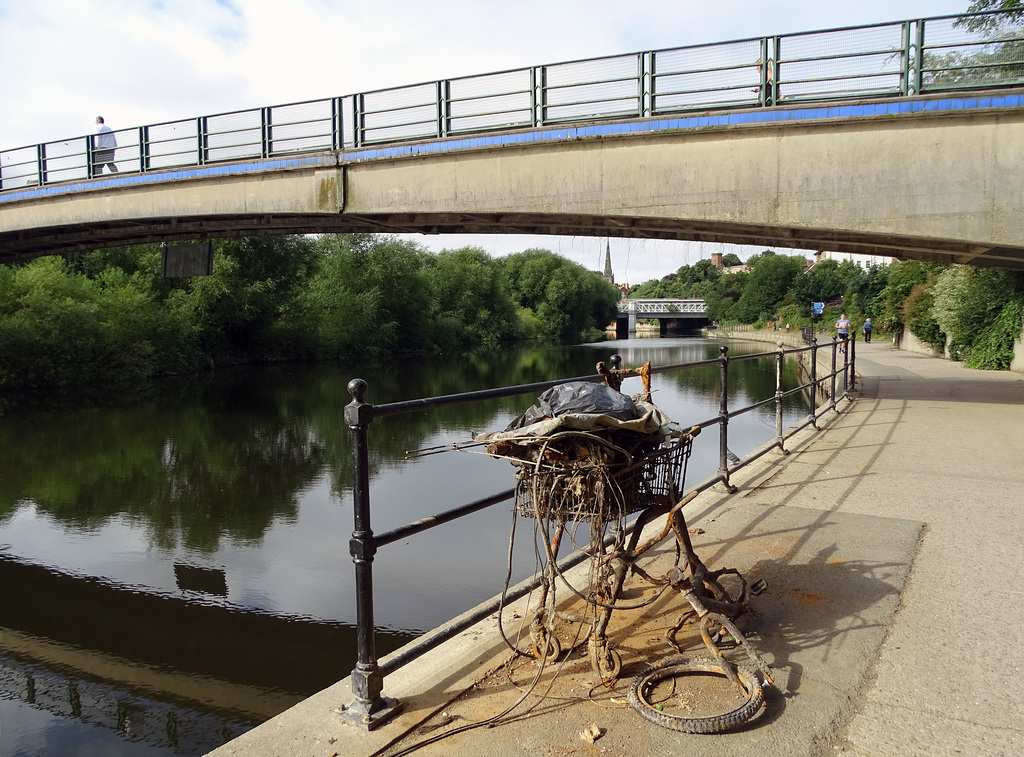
x: 358, y: 120
x: 143, y: 149
x: 443, y: 92
x: 90, y: 163
x: 542, y: 97
x: 370, y: 708
x: 766, y: 74
x: 647, y: 84
x: 918, y: 59
x: 265, y: 133
x: 337, y: 125
x: 202, y: 140
x: 41, y: 162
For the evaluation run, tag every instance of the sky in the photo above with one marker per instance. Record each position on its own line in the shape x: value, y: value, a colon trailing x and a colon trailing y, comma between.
x: 138, y: 62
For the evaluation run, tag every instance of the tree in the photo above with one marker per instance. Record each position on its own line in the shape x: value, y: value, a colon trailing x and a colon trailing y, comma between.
x: 722, y: 295
x: 968, y: 301
x: 253, y: 280
x: 903, y: 277
x: 730, y: 259
x: 769, y: 282
x: 562, y: 298
x: 991, y: 52
x: 470, y: 305
x: 992, y: 22
x: 822, y: 283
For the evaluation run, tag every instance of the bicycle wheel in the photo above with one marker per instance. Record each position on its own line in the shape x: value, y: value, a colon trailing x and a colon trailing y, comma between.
x: 640, y: 690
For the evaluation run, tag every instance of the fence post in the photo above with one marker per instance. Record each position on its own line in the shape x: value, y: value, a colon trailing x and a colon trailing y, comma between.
x: 832, y: 397
x: 917, y: 77
x: 266, y: 133
x: 90, y: 169
x: 723, y: 421
x: 814, y: 382
x: 542, y: 97
x: 442, y: 105
x: 647, y: 83
x: 853, y: 361
x: 202, y: 142
x: 369, y: 709
x: 358, y: 133
x: 779, y: 359
x: 41, y: 163
x: 337, y: 125
x: 143, y: 149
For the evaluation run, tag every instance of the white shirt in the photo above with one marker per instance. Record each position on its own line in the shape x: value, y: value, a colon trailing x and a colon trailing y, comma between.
x: 104, y: 139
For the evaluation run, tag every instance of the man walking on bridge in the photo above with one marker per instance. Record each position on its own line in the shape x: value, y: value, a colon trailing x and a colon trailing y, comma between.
x: 103, y: 145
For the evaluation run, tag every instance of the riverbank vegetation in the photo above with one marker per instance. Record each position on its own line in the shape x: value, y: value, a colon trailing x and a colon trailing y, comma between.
x: 975, y: 314
x: 108, y: 317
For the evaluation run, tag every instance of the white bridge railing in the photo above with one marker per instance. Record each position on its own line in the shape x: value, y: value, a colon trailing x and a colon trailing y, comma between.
x: 664, y: 306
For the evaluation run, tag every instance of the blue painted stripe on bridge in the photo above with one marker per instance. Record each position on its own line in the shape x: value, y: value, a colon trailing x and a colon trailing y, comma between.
x: 161, y: 176
x: 681, y: 123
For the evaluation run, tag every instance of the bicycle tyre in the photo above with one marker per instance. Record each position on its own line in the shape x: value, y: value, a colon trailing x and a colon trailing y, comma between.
x: 723, y: 723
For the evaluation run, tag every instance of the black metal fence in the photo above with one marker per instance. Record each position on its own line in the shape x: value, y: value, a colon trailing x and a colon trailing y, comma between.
x: 371, y: 708
x: 898, y: 59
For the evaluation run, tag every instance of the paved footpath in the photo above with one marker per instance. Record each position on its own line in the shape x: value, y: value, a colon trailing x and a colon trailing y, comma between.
x: 932, y: 441
x: 892, y: 545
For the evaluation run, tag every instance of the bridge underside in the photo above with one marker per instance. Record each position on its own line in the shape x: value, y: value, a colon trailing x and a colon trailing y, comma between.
x: 668, y: 325
x: 84, y: 237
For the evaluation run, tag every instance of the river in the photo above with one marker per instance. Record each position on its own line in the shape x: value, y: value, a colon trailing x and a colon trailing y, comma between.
x: 174, y: 566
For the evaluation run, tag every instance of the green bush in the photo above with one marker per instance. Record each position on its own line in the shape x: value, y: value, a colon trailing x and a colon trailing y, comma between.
x: 917, y: 313
x: 993, y: 349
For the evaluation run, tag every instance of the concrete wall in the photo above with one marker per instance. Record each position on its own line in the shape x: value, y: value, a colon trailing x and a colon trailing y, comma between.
x: 1018, y: 355
x: 883, y: 180
x: 910, y: 343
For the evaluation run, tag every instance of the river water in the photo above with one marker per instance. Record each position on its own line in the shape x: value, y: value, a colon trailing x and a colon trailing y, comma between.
x: 174, y: 567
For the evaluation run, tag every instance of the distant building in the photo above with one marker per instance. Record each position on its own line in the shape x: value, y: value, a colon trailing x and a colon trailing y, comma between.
x: 716, y: 260
x: 864, y: 261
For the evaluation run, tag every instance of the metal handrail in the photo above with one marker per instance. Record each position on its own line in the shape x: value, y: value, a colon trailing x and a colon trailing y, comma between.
x: 721, y: 75
x: 371, y: 708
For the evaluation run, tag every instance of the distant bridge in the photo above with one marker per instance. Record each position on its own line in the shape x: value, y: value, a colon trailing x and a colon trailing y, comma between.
x: 676, y: 317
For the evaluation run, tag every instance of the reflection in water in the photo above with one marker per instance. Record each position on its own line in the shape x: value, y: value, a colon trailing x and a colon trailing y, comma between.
x: 196, y: 543
x: 97, y: 706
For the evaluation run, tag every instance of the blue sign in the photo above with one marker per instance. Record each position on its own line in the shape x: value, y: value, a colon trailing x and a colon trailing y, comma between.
x: 817, y: 307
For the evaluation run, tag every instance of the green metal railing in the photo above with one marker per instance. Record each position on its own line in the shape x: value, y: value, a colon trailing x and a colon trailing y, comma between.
x: 900, y: 59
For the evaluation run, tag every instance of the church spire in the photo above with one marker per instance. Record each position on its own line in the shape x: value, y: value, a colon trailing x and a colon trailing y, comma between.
x: 608, y: 275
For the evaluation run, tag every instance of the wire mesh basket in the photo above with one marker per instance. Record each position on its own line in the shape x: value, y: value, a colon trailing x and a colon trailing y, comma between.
x: 599, y: 485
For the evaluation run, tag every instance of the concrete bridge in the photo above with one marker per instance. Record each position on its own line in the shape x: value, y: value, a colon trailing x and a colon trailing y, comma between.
x: 676, y: 317
x: 877, y: 147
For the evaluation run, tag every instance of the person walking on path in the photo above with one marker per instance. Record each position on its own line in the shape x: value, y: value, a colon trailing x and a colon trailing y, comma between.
x: 843, y: 330
x: 103, y: 145
x: 867, y: 329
